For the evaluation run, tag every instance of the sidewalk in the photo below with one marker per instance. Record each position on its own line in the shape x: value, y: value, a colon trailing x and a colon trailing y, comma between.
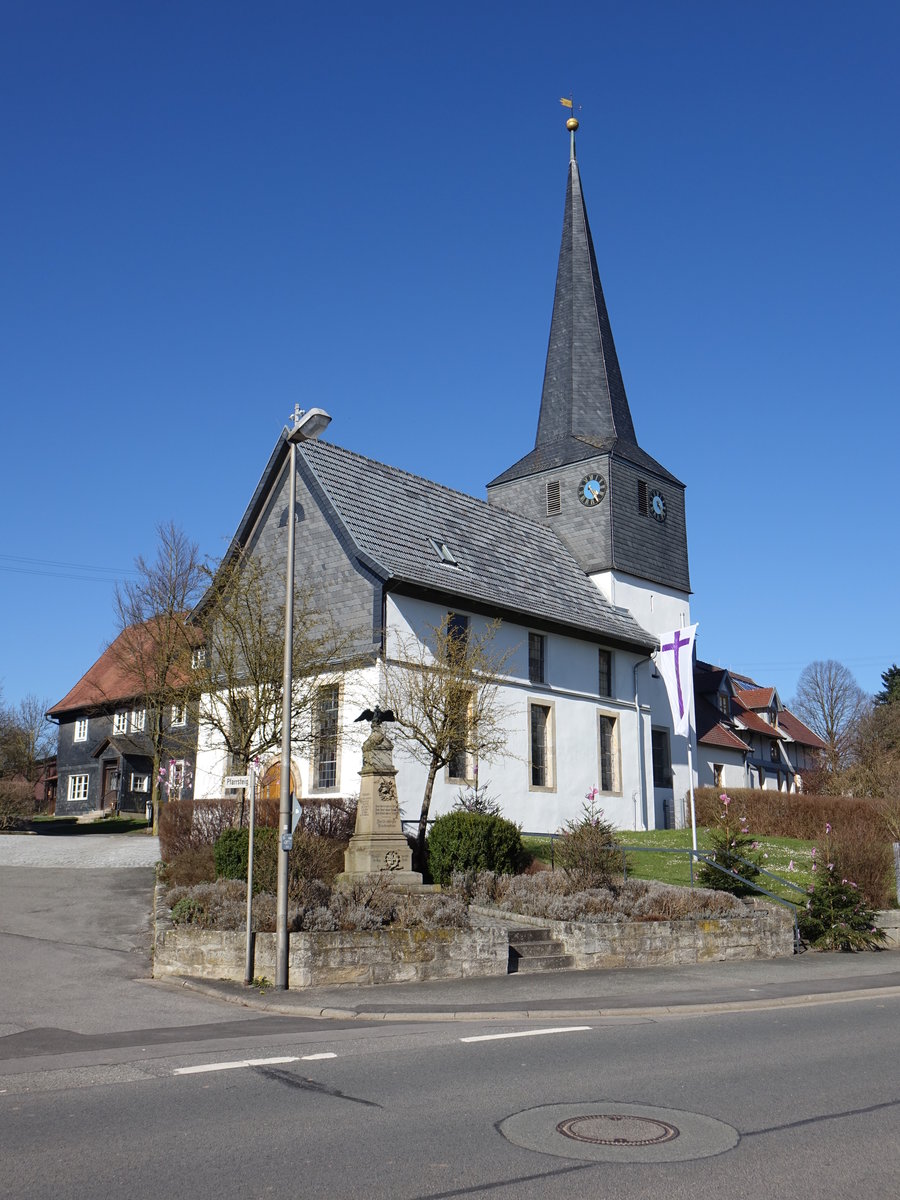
x: 808, y: 978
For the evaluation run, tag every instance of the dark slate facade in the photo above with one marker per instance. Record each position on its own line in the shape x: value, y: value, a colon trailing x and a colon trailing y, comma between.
x: 585, y: 428
x: 108, y: 766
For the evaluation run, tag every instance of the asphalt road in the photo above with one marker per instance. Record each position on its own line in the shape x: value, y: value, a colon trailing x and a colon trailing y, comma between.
x: 112, y: 1086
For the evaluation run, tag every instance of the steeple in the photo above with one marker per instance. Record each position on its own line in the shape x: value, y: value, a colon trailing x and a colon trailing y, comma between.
x: 583, y: 394
x: 584, y: 408
x: 616, y: 508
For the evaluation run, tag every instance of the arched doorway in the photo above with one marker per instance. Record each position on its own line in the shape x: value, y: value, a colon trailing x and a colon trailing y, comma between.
x: 270, y: 784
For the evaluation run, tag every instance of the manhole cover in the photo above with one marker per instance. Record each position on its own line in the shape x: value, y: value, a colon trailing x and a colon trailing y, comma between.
x: 617, y: 1129
x: 609, y: 1130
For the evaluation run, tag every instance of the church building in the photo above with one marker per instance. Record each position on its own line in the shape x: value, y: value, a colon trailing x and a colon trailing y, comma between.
x: 579, y: 550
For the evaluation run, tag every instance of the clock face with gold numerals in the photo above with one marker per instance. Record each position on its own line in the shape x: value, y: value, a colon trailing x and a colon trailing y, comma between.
x: 591, y: 490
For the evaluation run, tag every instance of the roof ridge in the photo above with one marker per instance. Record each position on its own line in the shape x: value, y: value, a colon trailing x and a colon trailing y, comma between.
x: 493, y: 509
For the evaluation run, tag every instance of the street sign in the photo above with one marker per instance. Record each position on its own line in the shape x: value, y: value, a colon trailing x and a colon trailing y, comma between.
x: 287, y: 841
x: 296, y: 813
x: 237, y: 781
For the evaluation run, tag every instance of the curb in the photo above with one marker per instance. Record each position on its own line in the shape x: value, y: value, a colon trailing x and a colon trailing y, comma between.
x: 261, y: 1003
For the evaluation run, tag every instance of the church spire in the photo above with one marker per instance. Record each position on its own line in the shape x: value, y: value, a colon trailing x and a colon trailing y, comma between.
x: 583, y: 395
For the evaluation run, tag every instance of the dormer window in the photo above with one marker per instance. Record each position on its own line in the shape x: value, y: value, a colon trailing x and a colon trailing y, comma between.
x: 724, y: 706
x: 443, y: 552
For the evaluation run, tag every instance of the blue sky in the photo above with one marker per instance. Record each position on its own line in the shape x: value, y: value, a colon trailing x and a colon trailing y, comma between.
x: 213, y: 210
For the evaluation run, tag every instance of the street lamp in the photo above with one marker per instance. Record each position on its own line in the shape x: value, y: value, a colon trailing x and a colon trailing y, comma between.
x: 306, y: 427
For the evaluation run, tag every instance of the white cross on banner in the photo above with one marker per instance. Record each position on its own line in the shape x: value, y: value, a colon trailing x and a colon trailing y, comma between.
x: 675, y: 662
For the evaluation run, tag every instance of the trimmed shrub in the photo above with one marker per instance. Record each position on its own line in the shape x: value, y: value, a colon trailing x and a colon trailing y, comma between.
x: 193, y: 866
x: 312, y: 859
x: 861, y: 830
x: 469, y: 841
x: 190, y: 824
x: 16, y: 803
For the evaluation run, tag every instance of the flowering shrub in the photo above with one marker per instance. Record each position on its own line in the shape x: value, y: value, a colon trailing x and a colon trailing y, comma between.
x: 733, y: 849
x: 587, y: 850
x: 836, y: 916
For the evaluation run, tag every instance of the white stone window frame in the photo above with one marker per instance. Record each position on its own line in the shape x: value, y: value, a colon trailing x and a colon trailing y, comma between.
x: 79, y: 787
x: 81, y: 730
x: 179, y: 715
x: 315, y: 761
x: 616, y: 760
x: 138, y: 720
x: 120, y: 721
x: 549, y: 746
x: 468, y: 779
x: 140, y: 783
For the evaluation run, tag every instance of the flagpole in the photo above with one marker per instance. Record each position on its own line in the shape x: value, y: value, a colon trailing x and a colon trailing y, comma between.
x: 690, y: 785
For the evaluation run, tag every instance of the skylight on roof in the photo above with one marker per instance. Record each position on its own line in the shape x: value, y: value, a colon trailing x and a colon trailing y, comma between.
x: 443, y: 552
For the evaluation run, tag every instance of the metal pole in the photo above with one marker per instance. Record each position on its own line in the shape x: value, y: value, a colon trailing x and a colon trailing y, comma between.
x: 248, y: 968
x: 284, y: 809
x: 691, y: 786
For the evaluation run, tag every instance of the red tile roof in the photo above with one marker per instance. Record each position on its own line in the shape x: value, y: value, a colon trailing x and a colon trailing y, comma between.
x: 757, y: 697
x: 798, y: 732
x: 752, y: 723
x: 712, y: 730
x: 111, y: 679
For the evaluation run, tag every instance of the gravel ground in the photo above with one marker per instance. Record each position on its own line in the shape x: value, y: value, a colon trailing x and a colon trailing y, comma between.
x: 80, y: 850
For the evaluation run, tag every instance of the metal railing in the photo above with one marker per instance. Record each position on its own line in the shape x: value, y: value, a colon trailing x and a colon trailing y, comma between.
x: 694, y: 855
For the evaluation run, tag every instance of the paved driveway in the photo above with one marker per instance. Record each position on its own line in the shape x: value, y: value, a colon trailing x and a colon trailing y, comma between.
x: 78, y: 850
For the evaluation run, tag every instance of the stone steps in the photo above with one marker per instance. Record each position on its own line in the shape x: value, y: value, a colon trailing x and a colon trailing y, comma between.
x: 536, y: 950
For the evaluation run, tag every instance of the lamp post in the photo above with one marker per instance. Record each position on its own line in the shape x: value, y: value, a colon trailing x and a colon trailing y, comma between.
x: 306, y: 427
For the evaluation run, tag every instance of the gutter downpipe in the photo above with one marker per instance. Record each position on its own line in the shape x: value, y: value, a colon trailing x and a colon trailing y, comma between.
x: 639, y: 727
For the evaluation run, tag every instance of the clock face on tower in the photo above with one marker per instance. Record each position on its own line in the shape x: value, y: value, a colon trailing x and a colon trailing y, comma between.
x: 658, y: 506
x: 591, y: 490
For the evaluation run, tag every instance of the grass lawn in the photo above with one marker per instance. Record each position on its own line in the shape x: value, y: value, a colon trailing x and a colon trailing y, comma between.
x: 787, y: 857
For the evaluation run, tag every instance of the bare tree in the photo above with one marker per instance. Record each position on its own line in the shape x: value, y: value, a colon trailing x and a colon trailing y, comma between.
x: 832, y: 703
x: 239, y: 682
x: 154, y: 646
x: 444, y: 691
x: 27, y: 737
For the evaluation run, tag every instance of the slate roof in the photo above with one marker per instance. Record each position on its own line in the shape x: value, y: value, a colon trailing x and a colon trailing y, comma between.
x: 584, y: 408
x: 505, y: 562
x: 126, y: 746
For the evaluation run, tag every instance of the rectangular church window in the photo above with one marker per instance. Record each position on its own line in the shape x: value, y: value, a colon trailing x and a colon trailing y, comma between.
x: 604, y: 681
x: 609, y: 753
x: 662, y: 764
x: 541, y: 745
x: 326, y: 743
x: 536, y: 646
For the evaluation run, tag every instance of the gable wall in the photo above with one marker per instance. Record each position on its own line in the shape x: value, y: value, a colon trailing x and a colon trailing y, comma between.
x: 324, y: 560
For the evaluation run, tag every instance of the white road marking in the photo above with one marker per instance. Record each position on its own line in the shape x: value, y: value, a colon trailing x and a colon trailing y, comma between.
x: 315, y: 1057
x: 496, y: 1037
x: 233, y: 1066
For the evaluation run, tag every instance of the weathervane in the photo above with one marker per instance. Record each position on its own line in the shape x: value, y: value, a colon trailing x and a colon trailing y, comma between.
x: 572, y: 123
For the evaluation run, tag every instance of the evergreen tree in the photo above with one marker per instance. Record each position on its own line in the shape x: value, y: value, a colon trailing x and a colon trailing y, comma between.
x: 891, y: 680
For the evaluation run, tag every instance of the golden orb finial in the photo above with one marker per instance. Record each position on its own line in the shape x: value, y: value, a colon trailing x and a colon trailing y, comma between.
x: 572, y: 124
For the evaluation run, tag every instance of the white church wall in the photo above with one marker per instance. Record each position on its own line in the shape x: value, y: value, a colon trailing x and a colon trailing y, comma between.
x: 571, y: 694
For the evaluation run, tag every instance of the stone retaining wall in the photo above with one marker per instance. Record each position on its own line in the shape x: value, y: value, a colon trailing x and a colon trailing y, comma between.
x: 765, y: 931
x: 408, y: 956
x: 323, y: 959
x: 889, y: 921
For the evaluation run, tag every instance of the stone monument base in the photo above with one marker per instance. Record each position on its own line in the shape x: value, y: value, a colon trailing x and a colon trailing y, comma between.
x: 377, y: 853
